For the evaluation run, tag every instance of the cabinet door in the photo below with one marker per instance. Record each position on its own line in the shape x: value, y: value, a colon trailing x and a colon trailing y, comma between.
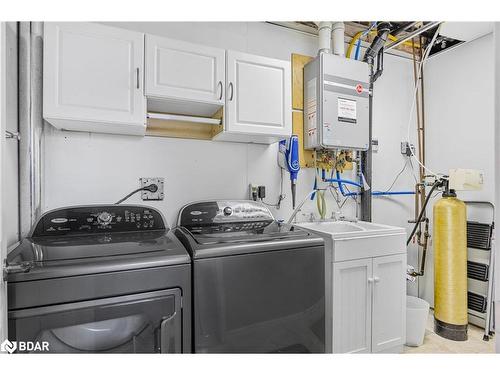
x: 258, y: 95
x: 389, y: 302
x: 181, y: 70
x: 352, y: 300
x: 93, y: 73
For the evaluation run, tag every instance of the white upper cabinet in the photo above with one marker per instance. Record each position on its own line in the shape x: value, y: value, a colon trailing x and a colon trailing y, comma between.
x: 93, y: 78
x: 188, y: 78
x: 103, y: 79
x: 258, y: 99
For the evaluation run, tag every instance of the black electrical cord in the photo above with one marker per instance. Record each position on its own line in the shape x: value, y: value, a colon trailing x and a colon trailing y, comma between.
x: 422, y: 211
x: 152, y: 188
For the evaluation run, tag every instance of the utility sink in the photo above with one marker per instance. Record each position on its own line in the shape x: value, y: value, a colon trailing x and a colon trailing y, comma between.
x: 347, y: 240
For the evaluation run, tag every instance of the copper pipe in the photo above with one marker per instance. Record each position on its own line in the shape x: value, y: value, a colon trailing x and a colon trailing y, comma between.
x: 422, y: 97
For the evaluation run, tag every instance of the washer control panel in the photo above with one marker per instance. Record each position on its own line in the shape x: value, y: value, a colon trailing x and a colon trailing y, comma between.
x: 98, y: 219
x: 221, y: 212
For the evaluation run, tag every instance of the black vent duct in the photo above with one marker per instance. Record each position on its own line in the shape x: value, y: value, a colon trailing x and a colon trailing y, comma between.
x: 476, y: 302
x: 477, y: 271
x: 479, y: 235
x: 383, y: 29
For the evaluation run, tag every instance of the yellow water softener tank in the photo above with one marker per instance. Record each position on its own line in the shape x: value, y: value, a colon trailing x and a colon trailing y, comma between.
x: 450, y: 267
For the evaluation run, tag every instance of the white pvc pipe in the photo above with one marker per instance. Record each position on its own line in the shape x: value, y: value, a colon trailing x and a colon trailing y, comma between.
x: 338, y: 31
x: 325, y: 37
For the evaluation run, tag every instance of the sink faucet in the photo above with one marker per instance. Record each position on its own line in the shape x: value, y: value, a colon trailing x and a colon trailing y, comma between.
x: 337, y: 216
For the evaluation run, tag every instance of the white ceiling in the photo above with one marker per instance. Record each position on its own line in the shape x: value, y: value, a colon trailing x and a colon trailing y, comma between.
x: 466, y: 31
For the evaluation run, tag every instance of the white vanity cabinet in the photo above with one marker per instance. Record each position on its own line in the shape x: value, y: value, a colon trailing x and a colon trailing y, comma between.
x: 184, y: 78
x: 93, y: 78
x: 365, y: 286
x: 258, y: 99
x: 369, y: 297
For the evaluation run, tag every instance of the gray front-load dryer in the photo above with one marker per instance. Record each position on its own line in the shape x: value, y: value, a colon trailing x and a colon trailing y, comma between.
x: 258, y: 285
x: 100, y: 279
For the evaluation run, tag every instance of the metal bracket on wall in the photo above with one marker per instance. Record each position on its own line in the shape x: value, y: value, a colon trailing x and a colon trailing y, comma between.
x: 12, y: 135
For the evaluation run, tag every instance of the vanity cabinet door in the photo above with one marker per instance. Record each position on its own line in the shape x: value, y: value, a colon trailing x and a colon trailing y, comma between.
x: 352, y: 306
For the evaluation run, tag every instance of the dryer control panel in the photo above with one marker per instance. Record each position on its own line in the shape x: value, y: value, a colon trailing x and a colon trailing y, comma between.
x: 222, y: 212
x: 98, y: 219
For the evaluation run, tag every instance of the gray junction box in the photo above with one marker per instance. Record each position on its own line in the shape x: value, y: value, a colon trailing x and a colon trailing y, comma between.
x: 336, y: 103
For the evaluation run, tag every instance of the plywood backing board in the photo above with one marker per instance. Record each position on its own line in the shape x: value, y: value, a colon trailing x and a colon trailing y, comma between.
x: 298, y: 63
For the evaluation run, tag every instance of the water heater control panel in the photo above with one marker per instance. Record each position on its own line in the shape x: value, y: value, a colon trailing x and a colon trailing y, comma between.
x: 336, y: 103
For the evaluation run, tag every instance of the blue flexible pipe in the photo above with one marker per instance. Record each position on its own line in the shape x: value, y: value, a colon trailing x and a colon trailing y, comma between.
x: 393, y: 193
x: 358, y: 48
x: 340, y: 181
x: 381, y: 193
x: 341, y: 187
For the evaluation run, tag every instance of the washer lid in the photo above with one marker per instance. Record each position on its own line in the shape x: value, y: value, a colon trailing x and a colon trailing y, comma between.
x: 244, y: 232
x: 221, y: 244
x: 39, y: 258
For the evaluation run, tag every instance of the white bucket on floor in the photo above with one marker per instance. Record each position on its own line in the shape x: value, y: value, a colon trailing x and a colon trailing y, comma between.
x: 417, y: 311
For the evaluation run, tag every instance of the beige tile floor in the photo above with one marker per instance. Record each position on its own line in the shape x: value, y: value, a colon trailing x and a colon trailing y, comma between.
x: 436, y: 344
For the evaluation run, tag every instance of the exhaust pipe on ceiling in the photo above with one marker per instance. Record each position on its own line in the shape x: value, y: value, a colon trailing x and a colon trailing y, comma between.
x: 327, y: 30
x: 338, y: 32
x: 325, y: 37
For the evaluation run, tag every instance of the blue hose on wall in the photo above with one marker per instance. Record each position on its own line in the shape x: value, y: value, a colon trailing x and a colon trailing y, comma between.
x: 341, y: 181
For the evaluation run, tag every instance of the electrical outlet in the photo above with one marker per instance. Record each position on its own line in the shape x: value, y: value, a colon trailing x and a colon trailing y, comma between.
x: 149, y: 195
x: 253, y: 191
x: 407, y: 148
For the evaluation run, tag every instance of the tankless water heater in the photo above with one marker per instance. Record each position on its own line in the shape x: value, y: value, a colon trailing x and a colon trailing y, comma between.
x: 336, y: 103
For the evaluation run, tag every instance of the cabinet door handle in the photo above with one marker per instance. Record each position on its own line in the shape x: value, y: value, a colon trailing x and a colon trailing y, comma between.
x: 137, y: 77
x: 376, y: 279
x: 370, y: 280
x: 220, y: 88
x: 231, y: 87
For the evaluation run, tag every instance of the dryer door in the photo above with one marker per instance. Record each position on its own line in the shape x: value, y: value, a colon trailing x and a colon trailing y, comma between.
x: 139, y: 323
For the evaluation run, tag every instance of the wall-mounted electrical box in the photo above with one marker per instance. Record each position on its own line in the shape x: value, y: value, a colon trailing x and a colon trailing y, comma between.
x: 336, y: 103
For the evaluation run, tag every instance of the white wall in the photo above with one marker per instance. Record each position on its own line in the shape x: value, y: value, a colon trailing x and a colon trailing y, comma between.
x: 8, y: 155
x: 497, y: 176
x: 10, y: 164
x: 3, y: 247
x: 459, y: 106
x: 393, y: 94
